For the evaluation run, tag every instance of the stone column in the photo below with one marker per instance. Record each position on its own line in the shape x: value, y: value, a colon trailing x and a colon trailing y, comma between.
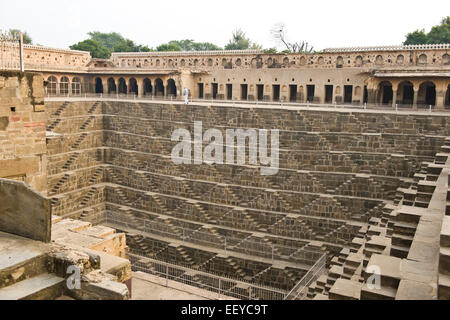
x: 371, y: 96
x: 320, y: 93
x: 394, y: 98
x: 140, y: 84
x: 394, y: 94
x: 440, y: 96
x: 416, y: 97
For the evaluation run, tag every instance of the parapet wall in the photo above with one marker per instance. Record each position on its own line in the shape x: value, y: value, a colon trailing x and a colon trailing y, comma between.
x: 24, y: 212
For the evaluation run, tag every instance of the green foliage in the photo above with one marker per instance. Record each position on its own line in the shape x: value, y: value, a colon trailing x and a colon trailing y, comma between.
x: 169, y: 47
x: 437, y: 34
x: 440, y: 33
x: 416, y: 37
x: 26, y: 37
x: 94, y: 47
x: 271, y: 50
x: 239, y: 41
x: 100, y: 44
x: 187, y: 45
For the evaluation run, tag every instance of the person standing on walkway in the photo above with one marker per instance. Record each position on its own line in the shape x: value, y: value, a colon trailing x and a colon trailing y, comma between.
x: 186, y: 95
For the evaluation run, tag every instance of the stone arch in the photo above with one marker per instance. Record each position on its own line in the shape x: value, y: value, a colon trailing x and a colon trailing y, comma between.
x: 400, y: 59
x: 238, y: 62
x: 183, y: 62
x: 112, y: 86
x: 52, y: 87
x: 159, y: 87
x: 423, y: 59
x: 123, y: 88
x: 302, y: 61
x: 64, y: 85
x: 133, y: 87
x: 379, y: 60
x: 405, y: 93
x: 339, y: 62
x: 148, y: 88
x: 210, y: 62
x: 286, y: 61
x: 427, y: 94
x: 359, y: 61
x: 385, y: 93
x: 98, y: 85
x: 446, y: 59
x: 76, y: 86
x: 171, y: 88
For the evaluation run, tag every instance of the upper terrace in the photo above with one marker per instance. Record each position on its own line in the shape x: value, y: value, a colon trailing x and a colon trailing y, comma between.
x: 39, y: 58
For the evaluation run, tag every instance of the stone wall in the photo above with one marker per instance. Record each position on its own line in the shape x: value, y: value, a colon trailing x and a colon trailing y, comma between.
x: 22, y: 129
x: 24, y: 212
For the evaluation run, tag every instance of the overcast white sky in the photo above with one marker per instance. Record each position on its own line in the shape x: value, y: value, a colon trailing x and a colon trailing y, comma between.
x: 60, y: 23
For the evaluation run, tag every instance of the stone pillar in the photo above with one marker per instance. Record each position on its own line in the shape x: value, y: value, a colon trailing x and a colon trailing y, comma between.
x: 440, y: 96
x: 394, y: 98
x: 371, y: 96
x: 140, y: 84
x: 416, y: 97
x: 320, y: 93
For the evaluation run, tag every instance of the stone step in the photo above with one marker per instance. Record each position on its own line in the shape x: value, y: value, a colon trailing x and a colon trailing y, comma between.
x: 42, y: 287
x: 382, y: 293
x: 20, y: 259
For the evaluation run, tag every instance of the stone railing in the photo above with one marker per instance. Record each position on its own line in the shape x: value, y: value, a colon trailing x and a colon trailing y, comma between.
x: 11, y: 51
x: 389, y: 48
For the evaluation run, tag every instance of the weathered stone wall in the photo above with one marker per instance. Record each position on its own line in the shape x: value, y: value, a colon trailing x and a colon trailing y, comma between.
x: 22, y: 129
x: 24, y: 212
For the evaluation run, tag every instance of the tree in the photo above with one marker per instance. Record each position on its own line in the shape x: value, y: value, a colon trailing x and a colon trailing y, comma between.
x: 169, y: 47
x: 239, y: 41
x: 416, y: 37
x: 102, y: 44
x: 271, y: 50
x: 205, y: 46
x: 187, y: 45
x: 26, y: 37
x: 440, y: 33
x: 437, y: 34
x: 279, y: 34
x: 94, y: 47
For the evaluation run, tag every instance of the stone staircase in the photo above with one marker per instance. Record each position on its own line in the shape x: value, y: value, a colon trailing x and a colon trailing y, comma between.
x: 77, y: 143
x: 94, y: 108
x: 88, y: 197
x: 61, y: 109
x: 71, y: 160
x: 54, y: 124
x: 87, y: 123
x: 24, y: 274
x: 60, y: 183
